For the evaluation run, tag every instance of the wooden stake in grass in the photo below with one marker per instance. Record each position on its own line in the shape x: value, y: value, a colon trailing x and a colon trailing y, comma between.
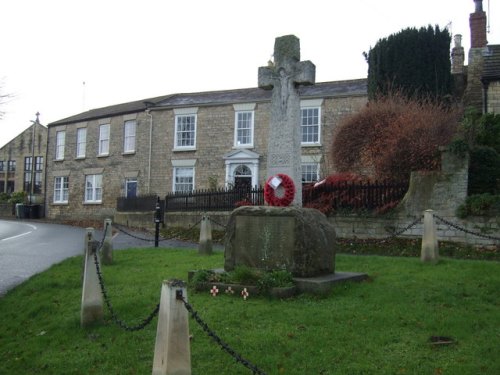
x: 172, y: 349
x: 92, y: 310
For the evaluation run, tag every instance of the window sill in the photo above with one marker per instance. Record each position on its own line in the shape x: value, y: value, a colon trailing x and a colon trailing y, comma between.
x: 184, y: 149
x: 310, y: 145
x: 103, y: 156
x: 60, y: 203
x: 80, y: 158
x: 128, y: 153
x: 57, y: 160
x: 245, y: 147
x: 92, y: 203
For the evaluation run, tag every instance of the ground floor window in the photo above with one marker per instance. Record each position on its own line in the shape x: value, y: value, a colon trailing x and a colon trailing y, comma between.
x: 61, y: 185
x: 183, y: 179
x: 310, y: 172
x: 93, y: 188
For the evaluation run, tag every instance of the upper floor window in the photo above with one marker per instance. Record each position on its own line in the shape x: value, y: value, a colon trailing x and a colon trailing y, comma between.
x: 1, y: 166
x: 11, y: 165
x: 129, y: 128
x: 81, y: 142
x: 243, y: 136
x: 60, y: 144
x: 185, y: 131
x: 61, y: 185
x: 310, y: 124
x: 93, y: 188
x: 104, y: 139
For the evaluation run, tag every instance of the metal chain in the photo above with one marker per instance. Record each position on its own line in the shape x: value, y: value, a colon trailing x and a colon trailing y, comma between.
x: 399, y: 232
x: 465, y: 230
x: 114, y: 316
x: 152, y: 239
x: 219, y: 224
x: 219, y: 341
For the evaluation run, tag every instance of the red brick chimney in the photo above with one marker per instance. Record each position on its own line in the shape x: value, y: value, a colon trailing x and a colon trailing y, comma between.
x: 477, y: 22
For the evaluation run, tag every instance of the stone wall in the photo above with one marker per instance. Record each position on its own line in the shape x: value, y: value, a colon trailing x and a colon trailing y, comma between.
x: 494, y: 97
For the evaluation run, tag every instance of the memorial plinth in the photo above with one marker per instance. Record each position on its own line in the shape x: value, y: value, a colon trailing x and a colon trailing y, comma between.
x: 299, y: 240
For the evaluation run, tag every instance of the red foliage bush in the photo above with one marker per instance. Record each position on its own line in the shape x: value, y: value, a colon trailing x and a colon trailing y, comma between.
x: 393, y: 136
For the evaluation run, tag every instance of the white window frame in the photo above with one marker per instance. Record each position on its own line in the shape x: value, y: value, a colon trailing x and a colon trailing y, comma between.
x: 61, y: 189
x: 93, y: 188
x: 312, y: 166
x: 180, y: 114
x: 176, y: 184
x: 81, y: 142
x: 60, y: 144
x: 238, y: 119
x: 104, y: 138
x: 129, y: 133
x: 307, y: 105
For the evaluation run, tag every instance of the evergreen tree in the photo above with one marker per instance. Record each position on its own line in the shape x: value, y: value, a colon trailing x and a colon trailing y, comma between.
x: 415, y: 62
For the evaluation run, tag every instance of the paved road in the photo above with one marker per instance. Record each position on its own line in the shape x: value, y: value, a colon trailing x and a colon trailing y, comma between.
x: 31, y: 247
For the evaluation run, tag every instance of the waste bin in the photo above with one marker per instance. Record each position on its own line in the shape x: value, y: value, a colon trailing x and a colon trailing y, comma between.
x: 20, y: 211
x: 32, y: 211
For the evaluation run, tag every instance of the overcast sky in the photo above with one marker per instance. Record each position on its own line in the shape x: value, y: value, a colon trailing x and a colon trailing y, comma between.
x: 131, y: 50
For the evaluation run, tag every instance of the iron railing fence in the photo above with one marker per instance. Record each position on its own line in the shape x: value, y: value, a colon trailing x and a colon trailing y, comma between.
x: 348, y: 195
x: 137, y: 204
x: 214, y: 200
x: 355, y: 195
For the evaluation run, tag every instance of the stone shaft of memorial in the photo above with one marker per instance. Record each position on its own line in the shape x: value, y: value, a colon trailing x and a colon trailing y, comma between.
x: 284, y: 77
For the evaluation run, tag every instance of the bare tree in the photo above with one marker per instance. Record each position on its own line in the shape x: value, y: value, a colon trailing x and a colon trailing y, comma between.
x: 4, y: 98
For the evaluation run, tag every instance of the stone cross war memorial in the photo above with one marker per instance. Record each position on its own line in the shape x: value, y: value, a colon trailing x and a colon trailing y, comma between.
x: 299, y: 240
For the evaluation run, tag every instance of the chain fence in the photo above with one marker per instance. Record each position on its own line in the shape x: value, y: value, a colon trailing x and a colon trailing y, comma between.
x: 185, y: 231
x: 218, y: 223
x: 224, y: 346
x: 465, y: 230
x: 107, y: 299
x: 114, y: 316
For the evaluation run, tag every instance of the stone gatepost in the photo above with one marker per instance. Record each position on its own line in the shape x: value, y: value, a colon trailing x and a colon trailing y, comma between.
x: 107, y: 246
x: 172, y: 353
x: 430, y: 251
x: 92, y: 308
x: 205, y: 245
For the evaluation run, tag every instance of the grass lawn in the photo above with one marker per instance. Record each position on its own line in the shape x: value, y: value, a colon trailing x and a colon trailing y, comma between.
x: 380, y: 326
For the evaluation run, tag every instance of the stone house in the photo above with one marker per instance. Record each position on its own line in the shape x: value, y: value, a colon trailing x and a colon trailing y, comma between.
x: 479, y: 82
x: 182, y: 142
x: 22, y: 156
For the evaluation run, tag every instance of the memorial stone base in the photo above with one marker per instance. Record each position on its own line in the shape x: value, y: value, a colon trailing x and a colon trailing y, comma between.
x: 299, y: 240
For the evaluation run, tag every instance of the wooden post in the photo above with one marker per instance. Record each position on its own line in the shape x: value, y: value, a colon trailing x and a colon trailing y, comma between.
x: 92, y: 310
x: 172, y: 354
x: 430, y: 251
x: 205, y: 245
x: 107, y: 246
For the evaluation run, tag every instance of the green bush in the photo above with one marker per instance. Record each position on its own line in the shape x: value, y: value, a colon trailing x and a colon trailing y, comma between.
x: 484, y: 171
x: 4, y: 197
x: 18, y: 197
x: 480, y: 205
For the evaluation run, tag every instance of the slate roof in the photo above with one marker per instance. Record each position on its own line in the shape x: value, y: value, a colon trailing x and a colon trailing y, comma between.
x: 357, y: 87
x: 491, y: 68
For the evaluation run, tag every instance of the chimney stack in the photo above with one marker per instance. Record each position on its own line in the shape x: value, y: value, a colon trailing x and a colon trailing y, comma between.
x: 457, y: 56
x: 477, y: 22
